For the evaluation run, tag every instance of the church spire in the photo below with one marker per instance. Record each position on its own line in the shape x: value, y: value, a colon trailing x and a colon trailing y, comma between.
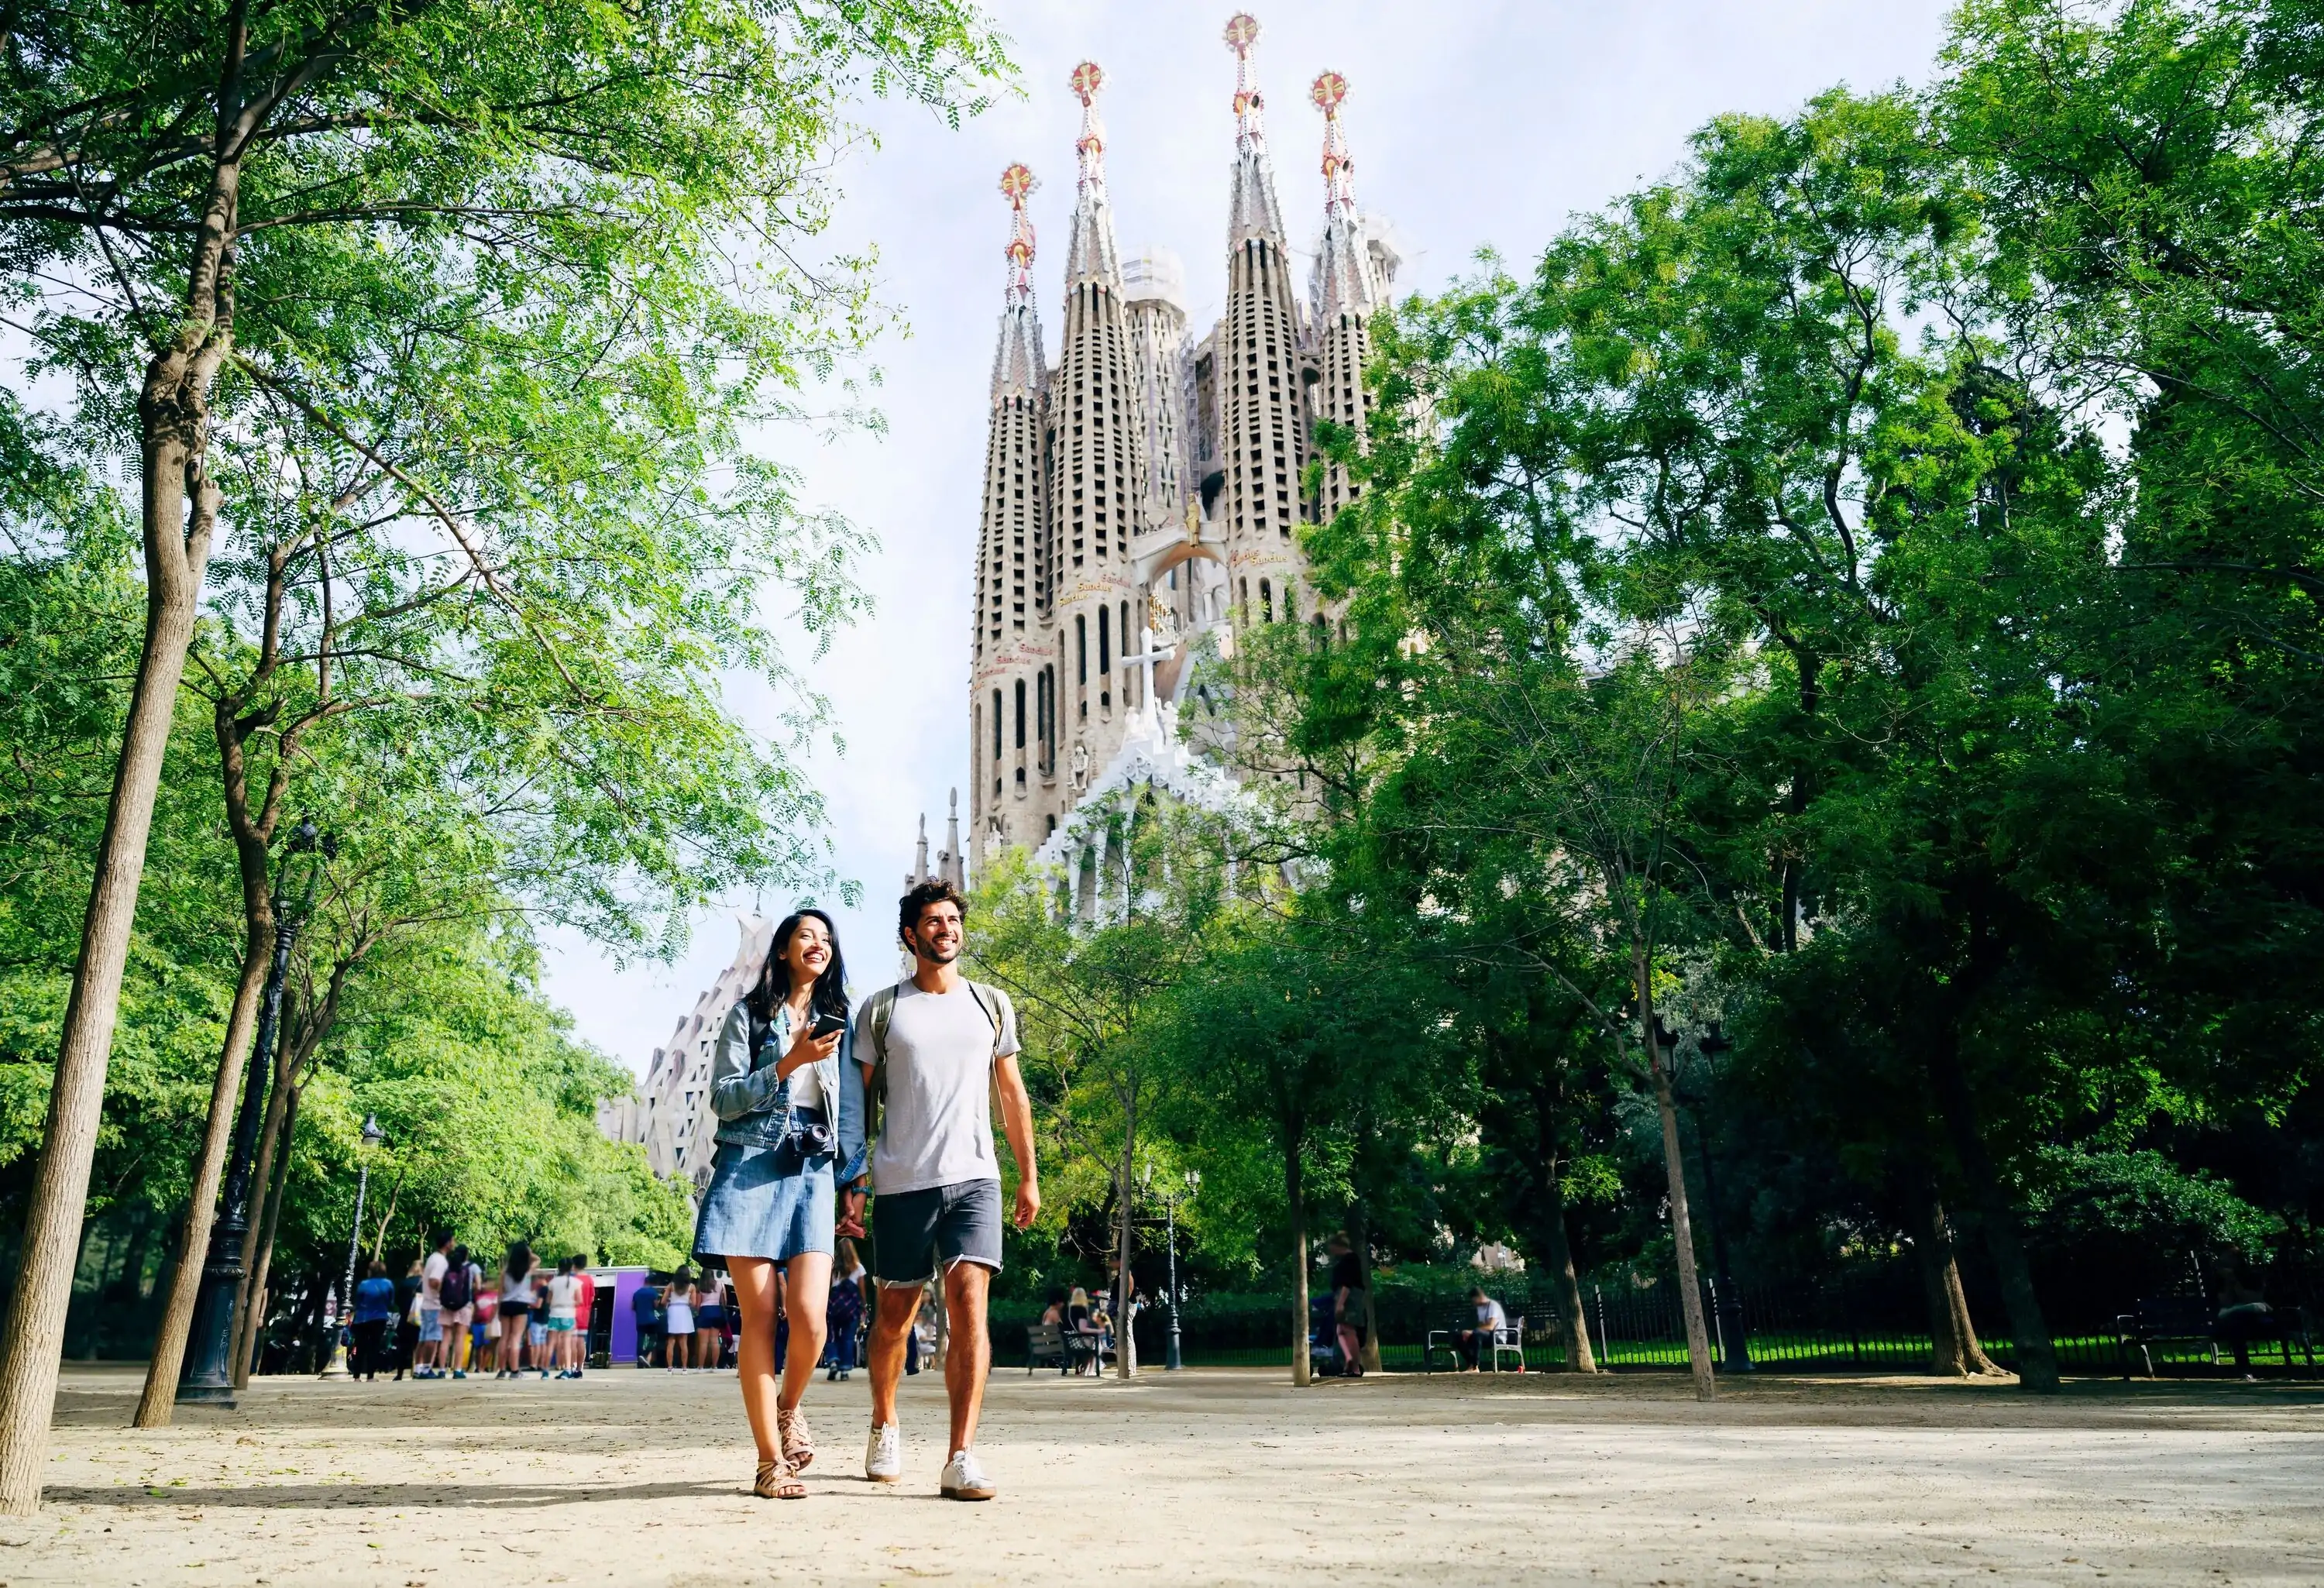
x: 1092, y: 252
x: 1017, y: 369
x: 1347, y: 281
x: 1254, y: 211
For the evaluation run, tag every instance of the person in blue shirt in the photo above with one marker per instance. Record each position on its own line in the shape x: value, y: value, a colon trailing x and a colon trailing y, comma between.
x: 375, y: 1311
x: 645, y: 1311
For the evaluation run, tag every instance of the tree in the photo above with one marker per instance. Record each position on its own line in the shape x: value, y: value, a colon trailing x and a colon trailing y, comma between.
x: 223, y: 158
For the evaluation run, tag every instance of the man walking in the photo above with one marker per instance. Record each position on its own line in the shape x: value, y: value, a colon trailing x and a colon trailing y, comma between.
x: 430, y: 1364
x: 931, y: 1050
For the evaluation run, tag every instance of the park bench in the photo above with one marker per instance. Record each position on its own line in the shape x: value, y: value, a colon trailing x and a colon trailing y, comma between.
x: 1054, y: 1343
x: 1509, y: 1337
x: 2164, y: 1320
x: 1045, y: 1346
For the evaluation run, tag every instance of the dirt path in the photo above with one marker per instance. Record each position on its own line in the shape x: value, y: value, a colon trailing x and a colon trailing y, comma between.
x: 1209, y: 1476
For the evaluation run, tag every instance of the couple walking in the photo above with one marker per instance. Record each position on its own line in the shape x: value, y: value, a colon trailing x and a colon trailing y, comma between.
x: 798, y: 1089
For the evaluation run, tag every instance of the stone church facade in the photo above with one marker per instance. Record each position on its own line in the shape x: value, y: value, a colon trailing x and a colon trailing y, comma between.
x: 1143, y: 493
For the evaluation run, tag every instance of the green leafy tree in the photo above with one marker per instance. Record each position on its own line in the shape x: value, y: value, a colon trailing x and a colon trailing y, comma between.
x: 238, y: 183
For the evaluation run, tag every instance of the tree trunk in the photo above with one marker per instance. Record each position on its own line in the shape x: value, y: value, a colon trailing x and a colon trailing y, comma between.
x: 1125, y: 1336
x: 1301, y: 1368
x: 2037, y: 1360
x: 1360, y: 1231
x: 282, y: 1117
x: 179, y: 514
x: 1964, y: 1329
x: 275, y: 1178
x: 159, y: 1402
x: 379, y: 1241
x: 1689, y: 1287
x: 1930, y: 1241
x: 1573, y: 1324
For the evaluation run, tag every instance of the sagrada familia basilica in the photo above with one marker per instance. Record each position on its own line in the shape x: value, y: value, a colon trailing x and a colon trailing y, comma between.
x: 1142, y: 494
x: 1142, y: 503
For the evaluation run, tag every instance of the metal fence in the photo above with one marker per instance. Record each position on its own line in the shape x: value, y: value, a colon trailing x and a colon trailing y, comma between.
x: 1872, y: 1322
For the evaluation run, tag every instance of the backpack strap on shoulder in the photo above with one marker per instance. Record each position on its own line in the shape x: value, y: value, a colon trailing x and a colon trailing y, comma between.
x: 988, y: 998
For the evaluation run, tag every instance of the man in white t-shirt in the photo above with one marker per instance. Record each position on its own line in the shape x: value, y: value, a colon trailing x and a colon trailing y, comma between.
x: 430, y: 1358
x: 937, y: 1047
x: 1491, y: 1319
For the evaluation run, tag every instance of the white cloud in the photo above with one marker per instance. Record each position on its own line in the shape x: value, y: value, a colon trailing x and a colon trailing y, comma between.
x: 1472, y: 124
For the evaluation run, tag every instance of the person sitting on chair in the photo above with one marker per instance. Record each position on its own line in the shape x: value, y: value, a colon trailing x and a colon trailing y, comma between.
x: 1491, y: 1320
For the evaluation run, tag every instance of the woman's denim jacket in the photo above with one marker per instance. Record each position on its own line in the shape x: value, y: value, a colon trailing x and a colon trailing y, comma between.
x: 755, y: 1108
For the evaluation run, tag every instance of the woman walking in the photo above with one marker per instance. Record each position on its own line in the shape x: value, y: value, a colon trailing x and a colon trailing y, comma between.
x: 710, y: 1323
x: 678, y: 1299
x: 516, y: 1308
x: 774, y: 1086
x: 844, y: 1314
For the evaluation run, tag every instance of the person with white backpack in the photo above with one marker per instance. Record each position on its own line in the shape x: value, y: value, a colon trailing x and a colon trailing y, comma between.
x: 931, y: 1051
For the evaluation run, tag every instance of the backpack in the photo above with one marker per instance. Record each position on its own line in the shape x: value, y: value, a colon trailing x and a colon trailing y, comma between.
x: 879, y: 1010
x: 456, y: 1291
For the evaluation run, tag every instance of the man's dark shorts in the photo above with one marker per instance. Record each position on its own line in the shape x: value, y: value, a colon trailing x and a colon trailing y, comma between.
x: 914, y: 1233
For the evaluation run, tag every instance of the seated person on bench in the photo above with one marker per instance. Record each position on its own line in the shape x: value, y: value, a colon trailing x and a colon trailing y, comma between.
x: 2245, y: 1316
x: 1474, y: 1342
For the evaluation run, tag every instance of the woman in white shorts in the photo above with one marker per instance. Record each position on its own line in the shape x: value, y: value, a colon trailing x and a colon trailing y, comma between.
x: 677, y: 1302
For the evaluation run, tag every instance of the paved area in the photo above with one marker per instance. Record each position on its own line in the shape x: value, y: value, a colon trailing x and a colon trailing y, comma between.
x: 1206, y: 1476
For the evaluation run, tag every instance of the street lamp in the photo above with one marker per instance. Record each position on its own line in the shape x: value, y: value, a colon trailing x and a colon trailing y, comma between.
x: 210, y: 1379
x: 1170, y: 1200
x: 336, y: 1368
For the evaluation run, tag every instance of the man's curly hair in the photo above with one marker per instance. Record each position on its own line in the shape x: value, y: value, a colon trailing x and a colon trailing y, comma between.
x: 910, y: 906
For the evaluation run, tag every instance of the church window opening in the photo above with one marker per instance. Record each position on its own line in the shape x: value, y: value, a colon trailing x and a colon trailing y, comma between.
x: 1020, y: 719
x: 1267, y: 601
x: 1080, y: 648
x: 1104, y: 641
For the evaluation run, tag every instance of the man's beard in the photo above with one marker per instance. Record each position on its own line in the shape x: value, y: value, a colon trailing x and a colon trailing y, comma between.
x: 935, y: 956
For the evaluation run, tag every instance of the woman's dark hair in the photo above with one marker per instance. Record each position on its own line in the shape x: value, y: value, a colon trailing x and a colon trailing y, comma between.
x: 519, y: 1260
x: 457, y: 1257
x: 683, y: 1278
x: 773, y: 987
x: 376, y: 1269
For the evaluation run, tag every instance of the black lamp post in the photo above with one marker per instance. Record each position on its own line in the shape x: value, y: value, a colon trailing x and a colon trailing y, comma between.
x: 1170, y: 1200
x: 336, y: 1368
x: 210, y: 1379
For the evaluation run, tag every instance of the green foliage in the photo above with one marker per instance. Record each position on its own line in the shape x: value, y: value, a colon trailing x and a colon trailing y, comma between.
x: 1861, y: 592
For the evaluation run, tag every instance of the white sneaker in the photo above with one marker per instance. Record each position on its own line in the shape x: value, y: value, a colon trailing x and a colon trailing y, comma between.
x: 883, y: 1457
x: 963, y: 1479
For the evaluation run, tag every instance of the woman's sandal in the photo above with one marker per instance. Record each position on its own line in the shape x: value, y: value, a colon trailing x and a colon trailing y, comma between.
x: 777, y: 1481
x: 799, y: 1441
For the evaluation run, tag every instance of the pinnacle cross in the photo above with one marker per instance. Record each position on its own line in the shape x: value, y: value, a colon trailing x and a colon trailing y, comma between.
x: 1154, y: 653
x: 1087, y: 78
x: 1339, y: 184
x: 1251, y: 128
x: 1017, y: 184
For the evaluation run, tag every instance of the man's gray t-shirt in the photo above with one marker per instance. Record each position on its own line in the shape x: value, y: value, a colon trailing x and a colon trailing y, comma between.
x: 936, y: 1128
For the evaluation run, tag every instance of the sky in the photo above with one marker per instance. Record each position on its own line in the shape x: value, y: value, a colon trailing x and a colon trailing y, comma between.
x: 1473, y: 125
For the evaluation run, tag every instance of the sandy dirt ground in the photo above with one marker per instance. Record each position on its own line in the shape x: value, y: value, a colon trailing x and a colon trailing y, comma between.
x: 1205, y: 1476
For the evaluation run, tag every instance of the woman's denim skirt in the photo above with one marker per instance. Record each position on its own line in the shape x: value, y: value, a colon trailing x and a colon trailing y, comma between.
x: 753, y: 1210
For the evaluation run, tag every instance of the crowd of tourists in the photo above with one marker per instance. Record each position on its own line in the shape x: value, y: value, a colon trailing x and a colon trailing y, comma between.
x: 447, y: 1316
x: 691, y: 1323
